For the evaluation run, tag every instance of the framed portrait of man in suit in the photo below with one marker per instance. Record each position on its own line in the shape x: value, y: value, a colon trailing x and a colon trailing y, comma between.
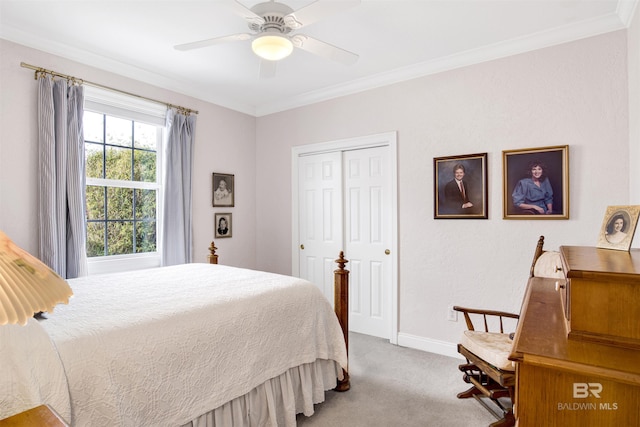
x: 460, y: 187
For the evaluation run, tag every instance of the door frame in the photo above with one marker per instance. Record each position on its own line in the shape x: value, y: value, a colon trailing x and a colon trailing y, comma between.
x: 388, y: 139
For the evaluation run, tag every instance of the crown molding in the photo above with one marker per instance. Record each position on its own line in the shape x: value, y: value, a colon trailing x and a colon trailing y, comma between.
x: 625, y: 11
x: 556, y: 36
x: 104, y: 63
x: 621, y: 19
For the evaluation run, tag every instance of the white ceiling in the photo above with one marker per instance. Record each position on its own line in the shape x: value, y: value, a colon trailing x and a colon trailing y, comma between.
x: 396, y: 40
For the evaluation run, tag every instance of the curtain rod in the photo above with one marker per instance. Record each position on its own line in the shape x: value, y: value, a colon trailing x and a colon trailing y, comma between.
x: 82, y: 81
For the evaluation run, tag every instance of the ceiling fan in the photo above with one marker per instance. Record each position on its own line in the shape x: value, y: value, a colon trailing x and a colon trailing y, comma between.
x: 271, y: 24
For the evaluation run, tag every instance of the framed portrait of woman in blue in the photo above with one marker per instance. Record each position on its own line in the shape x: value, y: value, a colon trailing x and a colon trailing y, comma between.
x: 536, y: 183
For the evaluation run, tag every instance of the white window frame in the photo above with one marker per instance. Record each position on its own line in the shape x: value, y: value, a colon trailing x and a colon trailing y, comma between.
x: 139, y: 110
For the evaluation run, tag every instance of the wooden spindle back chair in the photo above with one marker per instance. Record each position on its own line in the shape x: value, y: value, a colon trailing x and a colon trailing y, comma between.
x: 488, y: 371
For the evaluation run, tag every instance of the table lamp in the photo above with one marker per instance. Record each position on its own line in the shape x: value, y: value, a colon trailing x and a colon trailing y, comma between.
x: 27, y: 285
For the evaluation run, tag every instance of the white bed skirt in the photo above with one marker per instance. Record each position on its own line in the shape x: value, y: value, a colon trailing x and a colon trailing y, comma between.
x: 276, y: 402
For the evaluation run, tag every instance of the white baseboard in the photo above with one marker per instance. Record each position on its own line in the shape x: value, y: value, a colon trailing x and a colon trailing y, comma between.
x: 427, y: 344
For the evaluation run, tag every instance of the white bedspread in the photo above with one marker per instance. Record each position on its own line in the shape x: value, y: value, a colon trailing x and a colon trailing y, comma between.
x: 158, y: 347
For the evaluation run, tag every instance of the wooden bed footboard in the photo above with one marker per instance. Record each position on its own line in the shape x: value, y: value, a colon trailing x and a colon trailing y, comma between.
x: 341, y: 304
x: 341, y: 307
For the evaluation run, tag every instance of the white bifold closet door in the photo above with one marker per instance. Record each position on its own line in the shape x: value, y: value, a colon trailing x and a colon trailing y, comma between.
x: 344, y: 204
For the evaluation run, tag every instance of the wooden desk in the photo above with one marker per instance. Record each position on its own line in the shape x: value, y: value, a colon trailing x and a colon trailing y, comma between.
x: 569, y: 382
x: 40, y: 416
x: 602, y: 295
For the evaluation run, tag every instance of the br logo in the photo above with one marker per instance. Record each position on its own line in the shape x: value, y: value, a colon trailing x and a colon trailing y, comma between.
x: 584, y: 390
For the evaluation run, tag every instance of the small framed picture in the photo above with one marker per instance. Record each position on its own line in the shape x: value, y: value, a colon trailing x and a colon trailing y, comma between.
x: 536, y: 183
x: 223, y: 190
x: 222, y: 225
x: 618, y: 227
x: 460, y: 187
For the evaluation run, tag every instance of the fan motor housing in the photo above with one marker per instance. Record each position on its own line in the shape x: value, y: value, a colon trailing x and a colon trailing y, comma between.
x: 273, y: 14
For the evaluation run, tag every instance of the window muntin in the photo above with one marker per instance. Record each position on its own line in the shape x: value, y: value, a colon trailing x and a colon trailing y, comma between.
x: 123, y: 183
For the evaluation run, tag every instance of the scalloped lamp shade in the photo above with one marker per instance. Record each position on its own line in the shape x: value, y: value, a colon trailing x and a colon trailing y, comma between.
x: 272, y: 47
x: 27, y: 285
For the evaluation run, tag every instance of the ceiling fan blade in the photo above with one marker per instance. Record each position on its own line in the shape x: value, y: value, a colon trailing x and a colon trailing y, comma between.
x: 316, y: 11
x: 239, y: 9
x: 267, y: 69
x: 323, y: 49
x: 211, y: 42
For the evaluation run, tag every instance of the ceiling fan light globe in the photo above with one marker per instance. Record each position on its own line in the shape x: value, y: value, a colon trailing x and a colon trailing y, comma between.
x: 272, y: 47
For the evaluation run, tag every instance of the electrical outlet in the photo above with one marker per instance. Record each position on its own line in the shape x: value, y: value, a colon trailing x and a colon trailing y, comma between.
x: 452, y: 315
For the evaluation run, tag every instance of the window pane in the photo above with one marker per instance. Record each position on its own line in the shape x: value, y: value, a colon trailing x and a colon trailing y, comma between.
x: 145, y: 236
x: 119, y: 131
x: 92, y: 125
x: 93, y: 158
x: 95, y: 239
x: 119, y: 203
x: 95, y: 202
x: 119, y: 237
x: 118, y: 164
x: 145, y: 204
x: 146, y: 136
x: 144, y: 166
x: 120, y: 221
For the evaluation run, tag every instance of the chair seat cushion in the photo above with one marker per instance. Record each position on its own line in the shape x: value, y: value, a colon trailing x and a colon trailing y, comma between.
x: 492, y: 347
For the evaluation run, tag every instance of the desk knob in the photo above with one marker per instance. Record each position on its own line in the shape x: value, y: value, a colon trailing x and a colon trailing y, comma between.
x: 556, y: 269
x: 559, y: 285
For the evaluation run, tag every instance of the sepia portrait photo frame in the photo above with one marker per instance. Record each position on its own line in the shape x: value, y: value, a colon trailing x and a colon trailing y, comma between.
x: 523, y: 191
x: 618, y: 227
x: 222, y: 225
x: 460, y: 199
x: 223, y: 190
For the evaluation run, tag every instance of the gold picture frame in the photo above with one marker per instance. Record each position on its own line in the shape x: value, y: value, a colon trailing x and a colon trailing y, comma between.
x: 522, y: 190
x: 460, y: 187
x: 618, y: 227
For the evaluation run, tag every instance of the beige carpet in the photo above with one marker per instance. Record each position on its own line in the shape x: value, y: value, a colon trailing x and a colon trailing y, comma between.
x: 397, y: 386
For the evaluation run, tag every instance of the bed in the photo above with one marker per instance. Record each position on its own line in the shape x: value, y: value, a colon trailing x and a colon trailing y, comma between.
x: 188, y: 345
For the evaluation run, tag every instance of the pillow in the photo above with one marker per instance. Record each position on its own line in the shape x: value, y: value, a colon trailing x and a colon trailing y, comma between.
x: 546, y: 265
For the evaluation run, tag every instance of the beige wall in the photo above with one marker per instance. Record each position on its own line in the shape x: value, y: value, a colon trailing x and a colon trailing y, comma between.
x: 575, y: 94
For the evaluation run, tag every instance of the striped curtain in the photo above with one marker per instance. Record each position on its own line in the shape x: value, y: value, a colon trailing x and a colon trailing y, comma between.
x: 177, y: 233
x: 62, y: 177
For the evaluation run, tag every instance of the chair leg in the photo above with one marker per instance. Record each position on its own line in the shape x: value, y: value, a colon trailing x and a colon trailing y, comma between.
x: 469, y: 393
x: 508, y: 420
x: 484, y: 386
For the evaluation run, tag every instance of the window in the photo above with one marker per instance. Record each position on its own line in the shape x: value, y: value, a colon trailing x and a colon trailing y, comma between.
x: 123, y: 147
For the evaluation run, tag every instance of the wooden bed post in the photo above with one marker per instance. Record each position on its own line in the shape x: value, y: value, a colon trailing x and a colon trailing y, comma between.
x: 213, y: 258
x: 341, y: 306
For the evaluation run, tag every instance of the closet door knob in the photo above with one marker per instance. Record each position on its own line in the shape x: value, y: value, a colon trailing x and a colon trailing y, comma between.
x: 302, y: 247
x: 387, y: 251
